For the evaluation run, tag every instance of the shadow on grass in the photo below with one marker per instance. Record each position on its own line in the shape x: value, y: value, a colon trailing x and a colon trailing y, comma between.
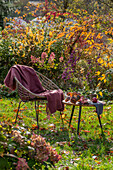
x: 54, y: 136
x: 98, y: 146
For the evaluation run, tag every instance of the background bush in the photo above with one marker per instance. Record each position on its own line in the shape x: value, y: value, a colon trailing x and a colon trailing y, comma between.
x: 78, y: 56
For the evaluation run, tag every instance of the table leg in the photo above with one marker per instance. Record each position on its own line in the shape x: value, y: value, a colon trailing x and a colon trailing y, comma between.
x: 71, y: 115
x: 100, y: 121
x: 80, y: 108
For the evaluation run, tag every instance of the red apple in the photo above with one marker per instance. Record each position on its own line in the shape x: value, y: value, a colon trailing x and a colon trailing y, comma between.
x: 94, y: 100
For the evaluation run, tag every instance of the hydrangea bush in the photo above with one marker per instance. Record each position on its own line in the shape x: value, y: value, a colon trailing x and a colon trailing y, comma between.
x: 27, y: 149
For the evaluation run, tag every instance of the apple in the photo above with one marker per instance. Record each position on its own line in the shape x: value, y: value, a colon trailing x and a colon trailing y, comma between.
x: 94, y: 100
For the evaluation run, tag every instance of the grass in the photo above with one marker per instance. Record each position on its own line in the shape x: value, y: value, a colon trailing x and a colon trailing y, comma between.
x: 91, y: 150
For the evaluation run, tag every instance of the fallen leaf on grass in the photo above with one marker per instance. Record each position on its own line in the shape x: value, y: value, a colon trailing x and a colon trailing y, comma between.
x: 19, y: 117
x: 61, y: 143
x: 41, y: 106
x: 38, y: 111
x: 98, y: 163
x: 42, y: 128
x: 107, y: 132
x: 13, y: 120
x: 65, y: 152
x: 33, y: 125
x: 51, y: 125
x: 94, y: 157
x: 86, y: 131
x: 63, y: 116
x: 77, y: 159
x: 66, y: 168
x: 45, y: 119
x: 108, y: 152
x: 69, y: 144
x: 85, y: 146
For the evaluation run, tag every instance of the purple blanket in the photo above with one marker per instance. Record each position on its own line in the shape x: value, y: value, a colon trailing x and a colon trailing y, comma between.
x: 29, y: 79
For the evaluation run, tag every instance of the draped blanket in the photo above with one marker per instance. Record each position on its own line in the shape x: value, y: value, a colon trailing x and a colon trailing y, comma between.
x: 29, y: 79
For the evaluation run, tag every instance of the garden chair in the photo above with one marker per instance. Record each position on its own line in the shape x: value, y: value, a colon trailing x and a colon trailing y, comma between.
x: 26, y: 95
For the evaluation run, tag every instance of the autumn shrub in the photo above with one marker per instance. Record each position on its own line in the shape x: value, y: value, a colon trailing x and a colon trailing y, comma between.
x: 71, y: 53
x: 6, y: 57
x: 31, y: 46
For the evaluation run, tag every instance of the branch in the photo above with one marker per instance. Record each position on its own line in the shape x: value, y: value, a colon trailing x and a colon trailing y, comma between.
x: 71, y: 49
x: 109, y: 5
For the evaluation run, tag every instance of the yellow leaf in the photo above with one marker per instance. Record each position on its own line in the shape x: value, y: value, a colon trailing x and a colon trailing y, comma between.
x: 28, y: 141
x: 104, y: 80
x: 103, y: 77
x: 71, y: 35
x: 50, y: 34
x: 97, y: 73
x: 63, y: 116
x: 106, y: 32
x: 100, y: 93
x: 72, y: 28
x: 89, y: 42
x: 100, y: 60
x: 64, y: 29
x: 30, y: 33
x: 67, y: 35
x: 51, y: 42
x: 60, y: 35
x: 98, y: 84
x: 23, y: 55
x: 87, y: 35
x: 108, y: 65
x: 92, y: 41
x: 20, y: 47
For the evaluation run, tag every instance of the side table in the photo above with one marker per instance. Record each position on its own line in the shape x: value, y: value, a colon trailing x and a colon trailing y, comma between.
x: 80, y: 109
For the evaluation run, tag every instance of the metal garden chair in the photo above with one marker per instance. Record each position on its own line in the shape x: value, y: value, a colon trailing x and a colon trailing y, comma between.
x: 26, y: 95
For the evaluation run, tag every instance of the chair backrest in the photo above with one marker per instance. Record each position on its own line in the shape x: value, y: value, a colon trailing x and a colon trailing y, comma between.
x: 46, y: 83
x: 27, y: 95
x: 24, y: 93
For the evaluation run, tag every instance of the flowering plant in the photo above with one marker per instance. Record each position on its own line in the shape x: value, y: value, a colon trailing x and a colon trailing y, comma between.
x: 28, y: 149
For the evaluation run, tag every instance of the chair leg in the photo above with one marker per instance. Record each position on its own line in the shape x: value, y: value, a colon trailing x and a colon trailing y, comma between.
x: 37, y: 112
x: 17, y: 111
x: 61, y: 118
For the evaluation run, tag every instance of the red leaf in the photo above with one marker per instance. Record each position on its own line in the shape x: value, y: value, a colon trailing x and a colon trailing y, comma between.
x: 108, y: 133
x: 86, y: 131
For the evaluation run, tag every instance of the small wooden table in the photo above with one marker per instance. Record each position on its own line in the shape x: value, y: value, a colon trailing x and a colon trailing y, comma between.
x: 80, y: 109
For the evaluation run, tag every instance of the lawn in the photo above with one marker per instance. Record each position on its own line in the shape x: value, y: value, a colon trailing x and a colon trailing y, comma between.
x: 90, y: 150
